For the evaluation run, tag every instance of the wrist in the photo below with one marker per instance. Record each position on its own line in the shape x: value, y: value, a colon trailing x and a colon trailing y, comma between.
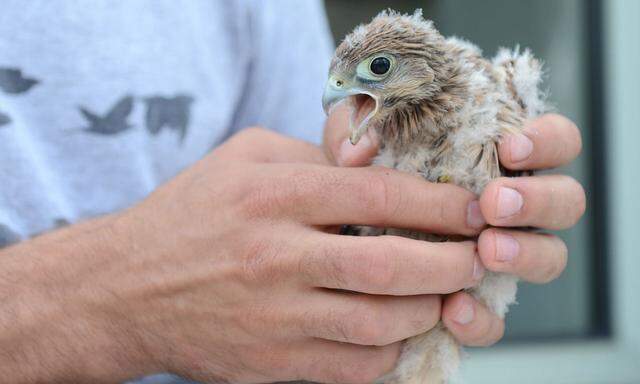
x: 61, y: 319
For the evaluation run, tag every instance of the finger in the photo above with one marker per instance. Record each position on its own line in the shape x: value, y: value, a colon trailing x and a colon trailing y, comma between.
x: 368, y: 319
x: 550, y: 201
x: 331, y: 362
x: 262, y: 145
x: 534, y: 257
x: 549, y: 141
x: 337, y: 146
x: 470, y: 322
x: 389, y: 265
x: 372, y: 196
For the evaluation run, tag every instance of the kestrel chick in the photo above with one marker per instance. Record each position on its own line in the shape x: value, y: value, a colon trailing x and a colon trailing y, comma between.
x: 439, y: 109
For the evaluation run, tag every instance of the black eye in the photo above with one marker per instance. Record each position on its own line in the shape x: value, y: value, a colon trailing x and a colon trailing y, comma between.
x: 380, y: 65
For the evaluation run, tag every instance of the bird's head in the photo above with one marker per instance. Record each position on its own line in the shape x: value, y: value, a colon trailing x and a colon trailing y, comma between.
x: 394, y: 62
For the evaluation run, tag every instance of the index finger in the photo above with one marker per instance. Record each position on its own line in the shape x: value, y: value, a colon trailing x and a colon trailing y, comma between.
x: 257, y: 144
x: 549, y: 141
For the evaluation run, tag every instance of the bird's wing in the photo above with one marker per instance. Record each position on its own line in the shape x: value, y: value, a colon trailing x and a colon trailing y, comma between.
x: 122, y: 108
x: 90, y: 116
x: 13, y: 82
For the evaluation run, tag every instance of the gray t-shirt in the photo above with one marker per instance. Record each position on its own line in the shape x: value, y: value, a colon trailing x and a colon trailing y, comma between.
x: 101, y: 101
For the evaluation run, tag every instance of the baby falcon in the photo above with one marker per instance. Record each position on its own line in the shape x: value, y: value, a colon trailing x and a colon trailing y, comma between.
x: 439, y: 108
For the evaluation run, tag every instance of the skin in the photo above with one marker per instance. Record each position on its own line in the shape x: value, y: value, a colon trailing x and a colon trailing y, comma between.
x: 228, y: 273
x: 549, y: 202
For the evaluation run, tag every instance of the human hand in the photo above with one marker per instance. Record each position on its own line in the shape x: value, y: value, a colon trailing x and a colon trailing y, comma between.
x: 233, y: 272
x: 545, y: 201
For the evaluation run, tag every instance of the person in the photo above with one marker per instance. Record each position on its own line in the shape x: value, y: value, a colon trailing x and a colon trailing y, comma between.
x: 132, y: 248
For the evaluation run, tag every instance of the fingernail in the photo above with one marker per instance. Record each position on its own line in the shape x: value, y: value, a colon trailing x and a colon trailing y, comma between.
x: 507, y: 247
x: 509, y: 202
x: 474, y: 215
x: 465, y: 313
x: 348, y: 153
x: 478, y: 270
x: 520, y: 147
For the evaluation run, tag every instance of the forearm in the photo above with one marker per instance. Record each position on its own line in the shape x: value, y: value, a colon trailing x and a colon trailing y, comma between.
x: 59, y: 318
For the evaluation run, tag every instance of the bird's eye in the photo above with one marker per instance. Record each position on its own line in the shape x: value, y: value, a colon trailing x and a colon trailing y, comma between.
x: 380, y: 65
x: 375, y: 68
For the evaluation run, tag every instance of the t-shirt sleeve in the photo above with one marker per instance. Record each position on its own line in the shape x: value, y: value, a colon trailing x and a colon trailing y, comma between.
x: 290, y: 51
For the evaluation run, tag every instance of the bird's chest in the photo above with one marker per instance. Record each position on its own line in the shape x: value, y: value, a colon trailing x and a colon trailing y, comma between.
x: 470, y: 167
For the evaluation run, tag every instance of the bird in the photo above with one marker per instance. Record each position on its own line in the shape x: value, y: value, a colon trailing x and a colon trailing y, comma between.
x: 439, y: 109
x: 171, y: 112
x: 114, y: 121
x: 13, y: 82
x: 4, y: 119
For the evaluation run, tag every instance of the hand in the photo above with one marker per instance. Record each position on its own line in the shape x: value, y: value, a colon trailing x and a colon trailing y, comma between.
x: 230, y: 272
x: 545, y: 201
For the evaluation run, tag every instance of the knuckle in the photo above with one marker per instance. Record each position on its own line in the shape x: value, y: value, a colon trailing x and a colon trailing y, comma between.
x: 382, y: 197
x: 442, y: 211
x: 574, y: 137
x: 336, y: 265
x: 559, y: 263
x: 459, y: 270
x: 488, y: 199
x: 567, y: 134
x: 448, y: 209
x: 487, y: 249
x: 487, y: 332
x: 378, y: 270
x: 267, y: 196
x: 261, y: 197
x: 258, y: 263
x: 581, y: 203
x: 563, y: 258
x: 370, y: 326
x: 573, y: 201
x: 254, y: 133
x: 554, y: 122
x: 364, y: 370
x: 373, y: 369
x: 249, y: 136
x: 428, y: 315
x: 496, y: 332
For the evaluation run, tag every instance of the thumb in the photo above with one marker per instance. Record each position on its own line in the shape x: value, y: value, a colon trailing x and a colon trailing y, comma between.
x: 337, y: 146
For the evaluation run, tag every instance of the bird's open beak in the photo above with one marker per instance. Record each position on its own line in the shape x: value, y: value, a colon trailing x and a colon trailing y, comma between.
x: 362, y: 103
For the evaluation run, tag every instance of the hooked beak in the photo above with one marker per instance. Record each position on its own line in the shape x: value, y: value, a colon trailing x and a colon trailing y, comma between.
x: 363, y: 105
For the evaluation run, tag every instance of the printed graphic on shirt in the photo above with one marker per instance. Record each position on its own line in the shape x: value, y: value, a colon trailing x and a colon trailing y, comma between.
x: 60, y: 222
x: 4, y: 119
x: 13, y: 82
x: 7, y: 236
x: 162, y: 112
x: 171, y: 112
x: 114, y: 121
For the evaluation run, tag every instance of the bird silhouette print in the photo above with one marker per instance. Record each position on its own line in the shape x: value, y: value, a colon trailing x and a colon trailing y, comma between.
x: 13, y: 82
x: 4, y: 119
x: 171, y: 112
x: 114, y: 121
x: 7, y: 236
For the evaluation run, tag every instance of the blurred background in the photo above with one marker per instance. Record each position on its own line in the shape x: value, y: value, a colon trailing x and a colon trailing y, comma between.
x: 582, y: 327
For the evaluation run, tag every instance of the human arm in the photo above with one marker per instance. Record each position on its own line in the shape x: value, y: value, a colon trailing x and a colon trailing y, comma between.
x: 231, y: 272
